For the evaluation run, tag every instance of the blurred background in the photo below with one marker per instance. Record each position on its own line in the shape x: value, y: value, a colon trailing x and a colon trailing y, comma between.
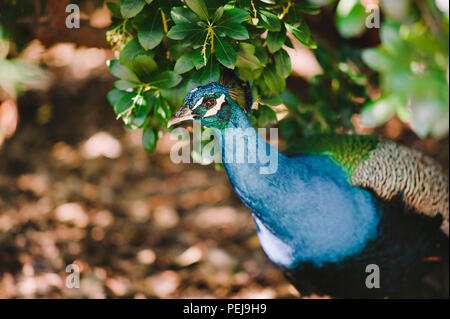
x: 76, y: 187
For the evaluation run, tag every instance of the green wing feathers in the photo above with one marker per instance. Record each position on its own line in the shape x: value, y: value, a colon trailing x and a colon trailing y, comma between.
x: 347, y: 150
x: 388, y: 169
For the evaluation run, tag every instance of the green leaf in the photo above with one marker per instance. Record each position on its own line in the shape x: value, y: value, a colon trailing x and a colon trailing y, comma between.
x: 261, y: 54
x: 177, y: 50
x: 378, y: 112
x: 199, y: 59
x: 290, y: 100
x: 224, y: 52
x: 182, y: 30
x: 114, y: 96
x: 275, y: 40
x: 274, y: 82
x: 302, y: 34
x: 266, y: 115
x: 115, y: 9
x: 161, y: 110
x: 149, y: 139
x: 183, y: 15
x: 184, y: 63
x: 130, y: 51
x: 121, y: 71
x: 196, y: 39
x: 144, y: 66
x: 218, y: 14
x: 273, y: 100
x: 139, y: 116
x: 199, y: 7
x: 350, y: 18
x: 235, y: 31
x: 269, y: 21
x: 376, y: 59
x: 151, y: 33
x: 283, y: 63
x: 390, y: 36
x: 211, y: 72
x: 150, y: 98
x: 166, y: 80
x: 246, y: 57
x: 233, y: 16
x: 125, y: 85
x: 124, y: 103
x: 130, y: 8
x: 175, y: 96
x: 308, y: 8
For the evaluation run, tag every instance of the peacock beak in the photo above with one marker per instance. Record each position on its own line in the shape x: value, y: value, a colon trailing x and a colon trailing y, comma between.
x: 183, y: 114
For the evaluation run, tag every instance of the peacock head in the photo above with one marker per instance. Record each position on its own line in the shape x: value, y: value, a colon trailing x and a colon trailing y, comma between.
x: 210, y: 103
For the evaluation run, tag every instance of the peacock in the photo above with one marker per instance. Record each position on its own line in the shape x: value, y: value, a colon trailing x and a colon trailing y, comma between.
x: 340, y: 204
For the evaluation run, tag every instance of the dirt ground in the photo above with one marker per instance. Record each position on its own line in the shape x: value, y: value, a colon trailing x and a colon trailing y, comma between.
x: 77, y: 188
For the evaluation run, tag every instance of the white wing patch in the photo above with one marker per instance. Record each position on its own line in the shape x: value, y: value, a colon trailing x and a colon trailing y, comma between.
x: 278, y: 251
x: 216, y: 108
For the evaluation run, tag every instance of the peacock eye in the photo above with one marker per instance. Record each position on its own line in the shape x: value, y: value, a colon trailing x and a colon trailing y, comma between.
x: 211, y: 102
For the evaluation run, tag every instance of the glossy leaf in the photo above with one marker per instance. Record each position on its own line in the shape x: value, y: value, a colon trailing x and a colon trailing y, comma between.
x: 125, y: 85
x: 114, y: 96
x: 144, y: 66
x: 233, y: 16
x: 211, y: 72
x: 151, y: 33
x: 266, y: 115
x: 161, y: 110
x: 199, y: 7
x: 274, y: 82
x: 124, y: 103
x: 290, y: 100
x: 302, y: 34
x: 183, y: 15
x: 184, y: 63
x: 273, y: 100
x: 269, y: 21
x: 115, y: 9
x: 122, y: 72
x: 166, y: 80
x: 224, y: 52
x: 246, y: 57
x: 182, y: 30
x: 200, y: 59
x: 308, y: 8
x: 350, y: 18
x: 130, y: 8
x: 283, y: 63
x: 130, y: 51
x: 149, y: 139
x: 275, y: 40
x: 235, y: 31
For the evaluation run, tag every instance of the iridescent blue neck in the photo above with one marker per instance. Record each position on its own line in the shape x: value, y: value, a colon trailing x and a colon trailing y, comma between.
x: 250, y: 162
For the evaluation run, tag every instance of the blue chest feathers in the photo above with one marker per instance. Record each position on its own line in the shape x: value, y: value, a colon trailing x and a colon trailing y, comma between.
x: 306, y: 211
